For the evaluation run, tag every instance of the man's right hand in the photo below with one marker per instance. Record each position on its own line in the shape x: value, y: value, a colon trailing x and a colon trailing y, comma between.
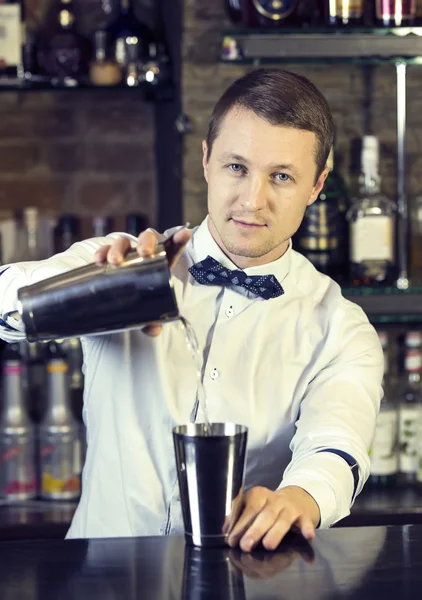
x: 115, y: 254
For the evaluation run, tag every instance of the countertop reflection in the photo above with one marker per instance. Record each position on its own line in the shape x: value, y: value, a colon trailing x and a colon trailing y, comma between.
x: 355, y: 563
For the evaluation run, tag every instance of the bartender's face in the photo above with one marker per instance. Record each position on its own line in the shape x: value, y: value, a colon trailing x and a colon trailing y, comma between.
x: 261, y: 178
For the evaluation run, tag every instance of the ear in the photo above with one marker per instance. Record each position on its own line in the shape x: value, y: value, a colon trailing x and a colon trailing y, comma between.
x: 318, y: 186
x: 205, y: 159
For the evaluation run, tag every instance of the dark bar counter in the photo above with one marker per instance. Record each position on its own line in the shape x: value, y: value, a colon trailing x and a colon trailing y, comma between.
x: 361, y: 563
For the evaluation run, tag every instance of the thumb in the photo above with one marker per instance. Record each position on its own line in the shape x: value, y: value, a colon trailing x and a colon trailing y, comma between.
x: 152, y: 330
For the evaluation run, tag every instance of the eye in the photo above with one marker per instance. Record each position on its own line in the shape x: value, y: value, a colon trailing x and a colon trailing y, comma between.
x: 236, y: 168
x: 282, y: 177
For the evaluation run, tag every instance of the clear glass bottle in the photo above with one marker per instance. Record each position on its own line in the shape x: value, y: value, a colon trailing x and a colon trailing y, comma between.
x: 372, y: 224
x: 322, y: 235
x: 384, y: 451
x: 344, y: 12
x: 395, y: 13
x: 409, y: 417
x: 18, y: 477
x: 34, y: 238
x: 60, y: 451
x: 103, y: 71
x: 12, y: 38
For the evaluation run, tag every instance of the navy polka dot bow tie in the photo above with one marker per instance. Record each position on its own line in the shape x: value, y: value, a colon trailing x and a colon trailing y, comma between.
x: 211, y: 272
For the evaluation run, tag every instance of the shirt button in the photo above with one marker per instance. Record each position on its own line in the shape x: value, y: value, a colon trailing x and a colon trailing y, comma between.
x: 214, y: 374
x: 229, y: 312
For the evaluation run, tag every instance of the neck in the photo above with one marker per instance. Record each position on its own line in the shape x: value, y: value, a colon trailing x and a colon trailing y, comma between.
x: 244, y: 262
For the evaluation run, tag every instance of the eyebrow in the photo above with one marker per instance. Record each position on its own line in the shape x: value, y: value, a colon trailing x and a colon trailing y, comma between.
x: 231, y: 157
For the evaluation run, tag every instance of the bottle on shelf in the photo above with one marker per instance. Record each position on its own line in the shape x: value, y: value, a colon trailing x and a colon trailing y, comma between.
x: 67, y: 232
x: 136, y: 223
x: 103, y: 71
x: 344, y: 13
x: 60, y: 447
x: 18, y: 476
x: 12, y: 38
x: 62, y: 52
x: 272, y: 13
x: 384, y: 451
x: 33, y: 236
x: 234, y: 10
x: 322, y: 236
x: 395, y: 13
x: 102, y: 226
x: 416, y: 241
x: 372, y: 220
x: 410, y: 416
x: 129, y: 39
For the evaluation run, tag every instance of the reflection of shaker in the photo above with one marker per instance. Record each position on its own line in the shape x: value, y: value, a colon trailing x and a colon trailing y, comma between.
x: 208, y: 574
x: 17, y: 439
x: 60, y: 439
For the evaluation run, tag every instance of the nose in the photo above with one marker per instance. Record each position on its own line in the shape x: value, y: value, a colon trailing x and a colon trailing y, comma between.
x: 255, y: 197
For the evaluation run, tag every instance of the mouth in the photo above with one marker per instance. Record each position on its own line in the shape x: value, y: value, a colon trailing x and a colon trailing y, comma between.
x: 245, y: 225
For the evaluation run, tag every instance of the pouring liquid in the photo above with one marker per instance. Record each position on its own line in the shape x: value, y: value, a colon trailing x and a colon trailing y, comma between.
x: 193, y: 345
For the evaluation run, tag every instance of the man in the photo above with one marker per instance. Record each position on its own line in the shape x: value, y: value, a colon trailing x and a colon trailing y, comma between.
x: 283, y: 352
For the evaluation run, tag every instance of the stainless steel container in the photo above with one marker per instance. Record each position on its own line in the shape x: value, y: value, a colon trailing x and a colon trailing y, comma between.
x: 210, y: 462
x: 101, y: 298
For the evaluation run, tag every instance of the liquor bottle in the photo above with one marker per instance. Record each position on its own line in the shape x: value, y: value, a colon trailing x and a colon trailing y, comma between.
x: 62, y: 53
x: 156, y: 69
x: 416, y: 241
x: 102, y: 226
x: 103, y: 71
x: 272, y: 13
x: 18, y: 480
x: 67, y: 232
x: 409, y: 417
x: 129, y: 40
x: 60, y: 451
x: 344, y: 13
x: 12, y: 37
x: 384, y: 451
x: 322, y: 236
x: 33, y: 236
x: 234, y: 10
x: 395, y: 13
x: 136, y: 223
x: 371, y: 217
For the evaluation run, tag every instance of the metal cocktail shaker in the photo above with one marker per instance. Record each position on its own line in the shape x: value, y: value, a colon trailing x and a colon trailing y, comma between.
x: 101, y: 298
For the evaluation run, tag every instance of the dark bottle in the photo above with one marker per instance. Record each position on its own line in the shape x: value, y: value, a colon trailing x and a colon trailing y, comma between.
x: 234, y: 10
x: 129, y: 40
x: 271, y: 13
x: 344, y: 12
x: 67, y: 232
x: 384, y: 450
x: 395, y: 13
x: 63, y: 54
x: 322, y: 236
x: 136, y: 223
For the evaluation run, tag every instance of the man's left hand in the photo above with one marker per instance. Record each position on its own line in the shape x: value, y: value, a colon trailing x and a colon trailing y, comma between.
x: 269, y: 515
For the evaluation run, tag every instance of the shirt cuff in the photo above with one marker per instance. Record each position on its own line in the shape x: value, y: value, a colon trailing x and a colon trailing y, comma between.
x: 328, y: 479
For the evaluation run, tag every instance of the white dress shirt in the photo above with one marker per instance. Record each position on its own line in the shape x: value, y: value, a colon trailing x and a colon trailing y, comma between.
x: 302, y: 371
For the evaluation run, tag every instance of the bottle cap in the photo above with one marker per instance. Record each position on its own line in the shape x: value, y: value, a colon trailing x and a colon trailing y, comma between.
x: 414, y: 339
x: 413, y: 361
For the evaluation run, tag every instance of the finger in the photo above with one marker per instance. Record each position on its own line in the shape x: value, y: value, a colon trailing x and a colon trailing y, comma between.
x: 118, y: 250
x: 254, y: 503
x: 147, y: 243
x: 277, y: 532
x: 258, y: 529
x: 152, y: 330
x: 179, y: 241
x: 306, y: 527
x: 100, y: 255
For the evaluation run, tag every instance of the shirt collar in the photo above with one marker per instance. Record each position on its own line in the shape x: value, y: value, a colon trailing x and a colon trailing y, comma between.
x: 203, y: 245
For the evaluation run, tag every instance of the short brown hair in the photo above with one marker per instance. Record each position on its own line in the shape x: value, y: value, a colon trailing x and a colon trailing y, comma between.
x: 281, y: 98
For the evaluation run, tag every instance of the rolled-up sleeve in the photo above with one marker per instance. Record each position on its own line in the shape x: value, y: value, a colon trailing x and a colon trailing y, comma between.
x: 338, y: 412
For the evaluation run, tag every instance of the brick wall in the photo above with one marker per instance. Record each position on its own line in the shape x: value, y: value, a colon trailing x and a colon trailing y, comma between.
x: 90, y: 152
x: 204, y: 80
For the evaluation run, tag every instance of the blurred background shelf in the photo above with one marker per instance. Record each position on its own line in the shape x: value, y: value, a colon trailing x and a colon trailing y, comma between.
x: 359, y: 46
x: 388, y: 305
